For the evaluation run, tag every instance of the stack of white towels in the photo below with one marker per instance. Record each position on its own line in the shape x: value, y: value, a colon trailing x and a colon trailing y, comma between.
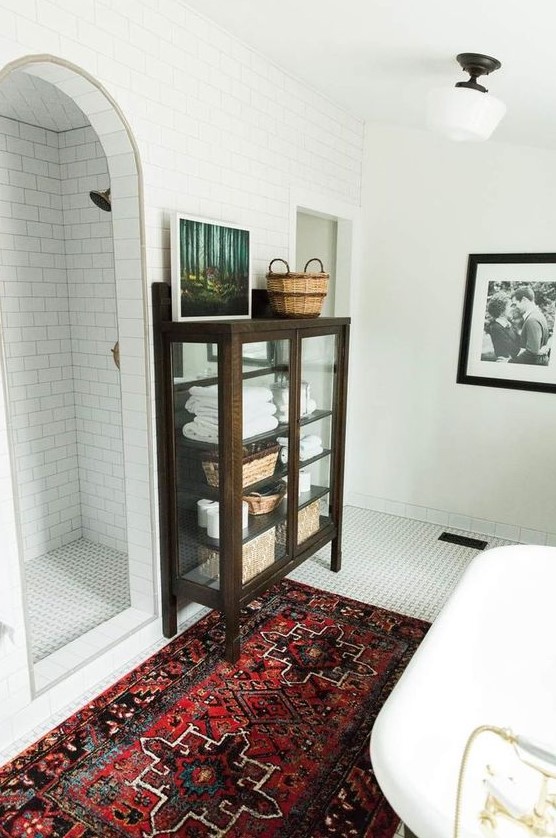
x: 310, y: 445
x: 258, y: 412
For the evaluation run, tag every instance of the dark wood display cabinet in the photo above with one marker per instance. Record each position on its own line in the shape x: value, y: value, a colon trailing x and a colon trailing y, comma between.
x: 251, y: 417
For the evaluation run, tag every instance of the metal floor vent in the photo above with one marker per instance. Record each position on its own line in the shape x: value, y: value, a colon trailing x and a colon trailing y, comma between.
x: 463, y: 540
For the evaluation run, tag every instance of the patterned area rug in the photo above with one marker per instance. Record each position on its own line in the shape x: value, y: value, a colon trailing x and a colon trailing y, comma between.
x: 187, y: 745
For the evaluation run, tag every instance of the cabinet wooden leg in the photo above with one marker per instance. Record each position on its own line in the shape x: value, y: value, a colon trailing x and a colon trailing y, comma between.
x: 335, y: 556
x: 169, y: 616
x: 233, y: 647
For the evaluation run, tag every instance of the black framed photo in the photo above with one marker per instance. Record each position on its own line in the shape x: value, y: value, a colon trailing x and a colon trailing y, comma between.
x: 211, y: 270
x: 508, y: 322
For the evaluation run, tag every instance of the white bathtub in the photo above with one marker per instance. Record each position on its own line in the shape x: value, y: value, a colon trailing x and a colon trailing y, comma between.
x: 489, y: 658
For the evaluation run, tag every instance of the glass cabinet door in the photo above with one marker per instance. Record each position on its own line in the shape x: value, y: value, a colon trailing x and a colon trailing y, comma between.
x: 196, y: 428
x: 264, y: 433
x: 318, y: 382
x: 265, y: 412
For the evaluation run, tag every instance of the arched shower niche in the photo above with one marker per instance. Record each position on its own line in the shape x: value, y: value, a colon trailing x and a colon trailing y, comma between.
x: 75, y: 366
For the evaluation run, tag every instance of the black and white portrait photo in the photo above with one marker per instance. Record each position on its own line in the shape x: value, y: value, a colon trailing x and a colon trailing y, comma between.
x: 508, y: 322
x: 519, y: 321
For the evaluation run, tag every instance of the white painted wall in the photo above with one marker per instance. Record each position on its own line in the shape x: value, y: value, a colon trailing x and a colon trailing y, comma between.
x: 421, y: 444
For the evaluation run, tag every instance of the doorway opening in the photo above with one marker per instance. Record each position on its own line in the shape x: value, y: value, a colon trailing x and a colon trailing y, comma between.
x: 317, y: 237
x: 326, y: 230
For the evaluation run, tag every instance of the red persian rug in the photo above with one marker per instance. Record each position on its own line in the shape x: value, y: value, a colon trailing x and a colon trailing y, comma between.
x: 188, y: 745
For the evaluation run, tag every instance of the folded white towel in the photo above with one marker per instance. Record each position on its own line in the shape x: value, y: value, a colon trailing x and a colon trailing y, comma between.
x: 193, y: 431
x: 259, y: 426
x: 206, y: 422
x: 313, y: 452
x: 196, y: 404
x: 259, y: 409
x: 251, y: 394
x: 205, y: 392
x: 310, y: 439
x: 309, y: 449
x: 250, y: 412
x: 205, y: 430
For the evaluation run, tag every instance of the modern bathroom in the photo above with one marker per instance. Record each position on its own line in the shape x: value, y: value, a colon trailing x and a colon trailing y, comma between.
x: 61, y: 322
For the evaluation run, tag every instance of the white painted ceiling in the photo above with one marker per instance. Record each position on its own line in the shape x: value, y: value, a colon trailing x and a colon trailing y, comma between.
x: 379, y: 58
x: 29, y: 99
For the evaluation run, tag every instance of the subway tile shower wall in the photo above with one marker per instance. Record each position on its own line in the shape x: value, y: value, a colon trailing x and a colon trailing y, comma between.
x: 94, y: 330
x: 38, y: 341
x: 59, y: 301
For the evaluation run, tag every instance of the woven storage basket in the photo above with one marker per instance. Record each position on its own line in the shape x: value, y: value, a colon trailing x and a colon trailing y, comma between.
x: 256, y: 466
x: 260, y: 504
x: 256, y: 555
x: 297, y: 294
x: 308, y: 521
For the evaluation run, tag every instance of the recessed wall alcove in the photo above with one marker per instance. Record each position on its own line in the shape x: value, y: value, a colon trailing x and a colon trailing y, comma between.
x: 77, y: 428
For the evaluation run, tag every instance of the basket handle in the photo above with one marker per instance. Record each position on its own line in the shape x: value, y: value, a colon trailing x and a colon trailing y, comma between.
x: 278, y: 260
x: 314, y: 259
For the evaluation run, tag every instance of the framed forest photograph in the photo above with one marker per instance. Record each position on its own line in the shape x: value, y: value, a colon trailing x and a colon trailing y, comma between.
x: 211, y: 270
x: 508, y: 322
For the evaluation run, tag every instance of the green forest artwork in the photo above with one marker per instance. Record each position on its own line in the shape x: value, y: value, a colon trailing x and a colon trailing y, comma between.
x: 214, y: 270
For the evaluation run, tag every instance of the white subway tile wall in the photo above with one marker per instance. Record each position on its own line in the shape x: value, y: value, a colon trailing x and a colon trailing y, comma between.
x: 94, y: 331
x: 222, y: 133
x: 64, y: 388
x: 37, y: 342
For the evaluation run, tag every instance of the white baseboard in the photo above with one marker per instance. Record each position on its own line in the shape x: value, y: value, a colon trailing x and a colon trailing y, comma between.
x: 509, y: 532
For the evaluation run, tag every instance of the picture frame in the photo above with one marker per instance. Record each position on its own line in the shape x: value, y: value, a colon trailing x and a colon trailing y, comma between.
x: 506, y: 331
x: 211, y: 270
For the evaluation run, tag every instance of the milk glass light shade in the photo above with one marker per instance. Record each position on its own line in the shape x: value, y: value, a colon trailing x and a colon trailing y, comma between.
x: 463, y: 114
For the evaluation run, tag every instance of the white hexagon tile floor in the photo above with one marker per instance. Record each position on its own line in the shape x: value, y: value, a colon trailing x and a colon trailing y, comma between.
x: 71, y: 590
x: 397, y: 563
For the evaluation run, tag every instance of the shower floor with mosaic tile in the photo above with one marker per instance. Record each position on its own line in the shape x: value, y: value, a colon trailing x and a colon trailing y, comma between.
x: 71, y: 590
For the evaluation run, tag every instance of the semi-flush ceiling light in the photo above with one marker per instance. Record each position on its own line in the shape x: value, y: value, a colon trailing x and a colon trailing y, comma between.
x: 466, y: 111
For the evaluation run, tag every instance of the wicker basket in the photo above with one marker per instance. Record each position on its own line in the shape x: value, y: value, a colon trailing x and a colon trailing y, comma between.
x: 256, y: 554
x: 256, y: 466
x: 297, y: 294
x: 261, y: 504
x: 308, y: 522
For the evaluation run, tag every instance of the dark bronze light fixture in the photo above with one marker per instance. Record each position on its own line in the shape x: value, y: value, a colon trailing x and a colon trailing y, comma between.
x: 467, y: 111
